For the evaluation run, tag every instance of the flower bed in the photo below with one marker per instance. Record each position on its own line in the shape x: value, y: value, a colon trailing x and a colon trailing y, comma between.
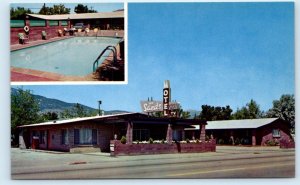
x: 117, y: 148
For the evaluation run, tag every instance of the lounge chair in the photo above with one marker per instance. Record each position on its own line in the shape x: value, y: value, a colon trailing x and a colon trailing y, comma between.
x: 95, y: 31
x: 44, y: 35
x: 23, y: 39
x: 60, y: 33
x: 86, y: 31
x: 66, y: 31
x: 79, y: 32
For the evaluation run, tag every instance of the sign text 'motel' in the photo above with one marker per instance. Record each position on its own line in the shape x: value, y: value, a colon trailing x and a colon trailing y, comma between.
x: 166, y: 97
x: 166, y: 105
x: 166, y: 101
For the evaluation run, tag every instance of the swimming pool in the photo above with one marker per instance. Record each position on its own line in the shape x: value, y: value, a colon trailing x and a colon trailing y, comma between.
x: 74, y: 56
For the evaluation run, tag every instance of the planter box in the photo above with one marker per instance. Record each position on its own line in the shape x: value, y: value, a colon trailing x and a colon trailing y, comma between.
x: 117, y: 148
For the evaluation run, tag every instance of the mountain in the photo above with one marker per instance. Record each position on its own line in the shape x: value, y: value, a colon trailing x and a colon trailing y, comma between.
x: 55, y: 105
x: 193, y: 112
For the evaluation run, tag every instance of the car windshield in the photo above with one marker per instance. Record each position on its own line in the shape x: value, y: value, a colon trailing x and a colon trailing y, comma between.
x: 79, y: 24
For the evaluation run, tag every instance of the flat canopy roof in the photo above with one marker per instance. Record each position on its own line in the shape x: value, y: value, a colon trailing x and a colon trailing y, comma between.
x: 100, y: 15
x: 134, y: 117
x: 237, y: 124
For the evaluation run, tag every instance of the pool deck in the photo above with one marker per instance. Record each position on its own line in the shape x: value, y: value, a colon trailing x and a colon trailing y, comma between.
x: 36, y: 43
x: 30, y: 75
x: 15, y: 76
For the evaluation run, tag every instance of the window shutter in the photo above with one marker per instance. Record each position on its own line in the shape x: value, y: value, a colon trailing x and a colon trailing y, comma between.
x: 94, y: 136
x: 76, y: 136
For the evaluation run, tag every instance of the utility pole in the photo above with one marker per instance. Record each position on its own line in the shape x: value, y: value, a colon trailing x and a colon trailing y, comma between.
x: 99, y: 107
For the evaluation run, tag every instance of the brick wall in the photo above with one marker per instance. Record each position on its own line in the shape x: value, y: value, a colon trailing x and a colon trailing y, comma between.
x: 287, y: 144
x: 138, y: 149
x: 53, y: 137
x: 35, y: 33
x: 266, y: 132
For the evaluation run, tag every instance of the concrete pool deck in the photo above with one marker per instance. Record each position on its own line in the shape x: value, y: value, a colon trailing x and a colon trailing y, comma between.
x: 36, y: 43
x: 30, y: 75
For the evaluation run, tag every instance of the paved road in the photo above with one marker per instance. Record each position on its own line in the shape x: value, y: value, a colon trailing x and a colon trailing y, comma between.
x: 227, y: 162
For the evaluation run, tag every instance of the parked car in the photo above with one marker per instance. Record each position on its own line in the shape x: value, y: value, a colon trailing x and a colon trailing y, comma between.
x: 79, y: 26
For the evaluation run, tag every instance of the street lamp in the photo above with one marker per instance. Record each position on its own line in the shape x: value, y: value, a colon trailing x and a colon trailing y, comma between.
x: 99, y: 107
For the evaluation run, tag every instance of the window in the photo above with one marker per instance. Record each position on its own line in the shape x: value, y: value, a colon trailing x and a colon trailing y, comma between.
x: 34, y: 133
x: 141, y: 134
x: 42, y: 137
x: 53, y: 23
x: 85, y: 136
x: 17, y: 23
x: 64, y: 23
x: 276, y: 133
x: 64, y: 137
x: 37, y: 22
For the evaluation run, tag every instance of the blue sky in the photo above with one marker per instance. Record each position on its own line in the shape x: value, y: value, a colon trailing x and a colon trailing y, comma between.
x: 213, y: 53
x: 100, y: 7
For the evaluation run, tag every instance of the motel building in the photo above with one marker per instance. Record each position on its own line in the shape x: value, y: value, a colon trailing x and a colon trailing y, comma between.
x: 104, y: 133
x: 262, y: 132
x: 107, y: 24
x: 142, y: 133
x: 120, y: 134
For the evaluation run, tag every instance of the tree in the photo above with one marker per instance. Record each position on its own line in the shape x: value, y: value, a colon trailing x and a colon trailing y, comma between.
x: 185, y: 115
x: 49, y: 116
x: 19, y: 13
x: 226, y: 112
x: 206, y: 112
x: 77, y: 111
x: 241, y: 113
x: 44, y: 10
x: 158, y: 114
x: 80, y: 8
x: 254, y: 110
x: 80, y: 111
x: 284, y: 108
x: 56, y: 9
x: 24, y: 111
x: 60, y: 9
x: 182, y: 114
x: 250, y: 111
x: 211, y: 113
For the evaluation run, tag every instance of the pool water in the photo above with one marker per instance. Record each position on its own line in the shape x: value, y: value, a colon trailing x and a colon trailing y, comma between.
x: 73, y: 56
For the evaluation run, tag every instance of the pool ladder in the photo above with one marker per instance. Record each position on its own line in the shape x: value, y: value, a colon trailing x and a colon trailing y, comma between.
x: 111, y: 48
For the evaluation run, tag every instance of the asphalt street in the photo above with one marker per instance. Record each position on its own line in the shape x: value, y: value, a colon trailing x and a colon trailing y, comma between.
x: 226, y: 162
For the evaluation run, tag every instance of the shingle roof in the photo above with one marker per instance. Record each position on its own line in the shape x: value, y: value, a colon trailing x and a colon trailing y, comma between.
x: 100, y: 15
x: 237, y: 124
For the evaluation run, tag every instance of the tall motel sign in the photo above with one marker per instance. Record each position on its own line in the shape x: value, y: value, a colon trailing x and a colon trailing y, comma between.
x: 169, y: 109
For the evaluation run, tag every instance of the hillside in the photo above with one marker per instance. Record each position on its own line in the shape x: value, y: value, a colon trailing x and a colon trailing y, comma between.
x: 55, y: 105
